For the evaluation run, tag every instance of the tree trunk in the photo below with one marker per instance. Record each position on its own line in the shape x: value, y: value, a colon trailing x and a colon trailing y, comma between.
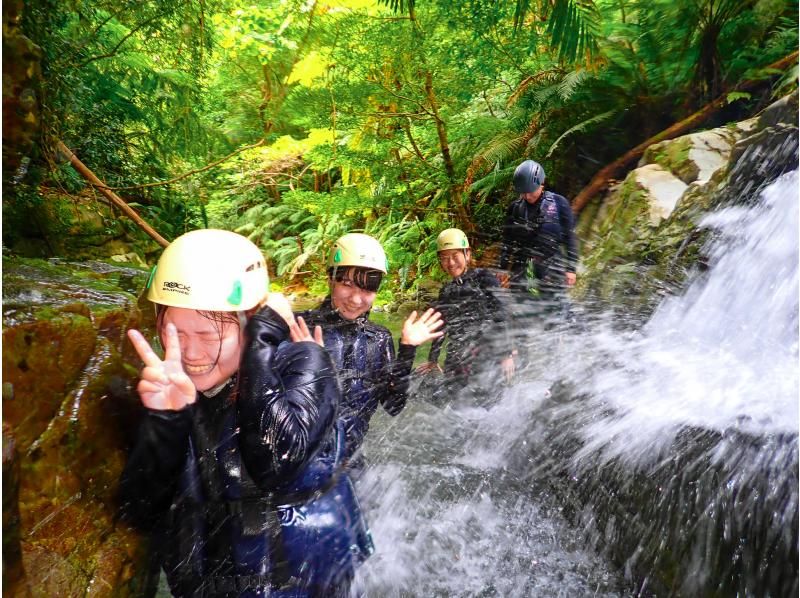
x: 600, y: 180
x: 113, y: 197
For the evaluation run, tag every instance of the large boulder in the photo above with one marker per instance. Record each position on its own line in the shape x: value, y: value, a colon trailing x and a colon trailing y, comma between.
x: 715, y: 514
x: 644, y: 240
x: 68, y: 418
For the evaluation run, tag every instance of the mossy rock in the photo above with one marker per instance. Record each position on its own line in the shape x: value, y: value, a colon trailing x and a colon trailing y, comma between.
x: 631, y: 260
x: 70, y: 406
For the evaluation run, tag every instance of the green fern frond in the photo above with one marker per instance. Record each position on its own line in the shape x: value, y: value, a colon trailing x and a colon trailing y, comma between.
x: 571, y: 82
x: 500, y: 149
x: 581, y: 126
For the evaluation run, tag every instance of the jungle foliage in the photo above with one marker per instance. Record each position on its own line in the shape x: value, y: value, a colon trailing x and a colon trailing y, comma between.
x: 394, y: 118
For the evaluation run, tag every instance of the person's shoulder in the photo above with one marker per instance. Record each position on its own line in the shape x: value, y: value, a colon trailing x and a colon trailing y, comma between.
x: 307, y: 353
x: 485, y: 277
x: 558, y: 198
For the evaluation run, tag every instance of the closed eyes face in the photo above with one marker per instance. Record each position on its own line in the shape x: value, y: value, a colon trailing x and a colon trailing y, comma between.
x: 210, y: 348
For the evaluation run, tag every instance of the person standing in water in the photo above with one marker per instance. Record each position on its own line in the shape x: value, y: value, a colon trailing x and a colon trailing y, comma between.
x: 539, y: 244
x: 236, y: 469
x: 475, y: 318
x: 370, y: 371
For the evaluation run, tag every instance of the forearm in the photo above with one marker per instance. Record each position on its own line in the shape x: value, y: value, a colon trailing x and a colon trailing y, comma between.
x: 572, y: 252
x: 149, y: 479
x: 287, y: 402
x: 506, y: 252
x: 396, y: 396
x: 436, y: 348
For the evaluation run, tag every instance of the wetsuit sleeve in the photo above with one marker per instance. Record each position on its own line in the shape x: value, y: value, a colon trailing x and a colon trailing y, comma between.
x: 287, y: 402
x: 151, y: 474
x: 396, y: 393
x: 568, y: 234
x: 499, y: 309
x: 507, y: 248
x: 438, y: 343
x: 436, y: 348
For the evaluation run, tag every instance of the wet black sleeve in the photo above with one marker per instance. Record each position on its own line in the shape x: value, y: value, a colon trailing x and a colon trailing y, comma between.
x: 499, y: 309
x: 568, y: 237
x: 395, y: 394
x: 438, y: 343
x: 150, y: 477
x: 508, y: 248
x: 287, y: 402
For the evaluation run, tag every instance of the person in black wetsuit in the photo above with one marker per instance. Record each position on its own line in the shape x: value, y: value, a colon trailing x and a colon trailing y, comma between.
x: 539, y: 244
x: 237, y: 469
x: 475, y: 319
x: 370, y: 372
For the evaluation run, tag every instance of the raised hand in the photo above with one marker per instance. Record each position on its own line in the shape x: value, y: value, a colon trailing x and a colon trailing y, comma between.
x: 417, y: 331
x: 507, y: 367
x: 163, y: 384
x: 300, y: 333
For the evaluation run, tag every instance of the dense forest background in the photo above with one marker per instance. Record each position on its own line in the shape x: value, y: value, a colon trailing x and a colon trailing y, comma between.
x: 295, y: 121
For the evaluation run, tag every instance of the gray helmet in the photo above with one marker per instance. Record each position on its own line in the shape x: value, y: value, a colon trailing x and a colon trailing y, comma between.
x: 528, y: 177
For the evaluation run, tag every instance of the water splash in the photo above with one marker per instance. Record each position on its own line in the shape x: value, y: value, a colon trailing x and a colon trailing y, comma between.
x: 723, y: 355
x: 459, y: 499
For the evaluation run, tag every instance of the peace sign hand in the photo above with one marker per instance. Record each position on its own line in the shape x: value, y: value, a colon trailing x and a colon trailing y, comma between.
x: 417, y: 331
x: 164, y: 384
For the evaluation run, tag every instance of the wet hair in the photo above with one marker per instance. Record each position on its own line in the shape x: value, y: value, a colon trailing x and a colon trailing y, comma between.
x: 368, y: 279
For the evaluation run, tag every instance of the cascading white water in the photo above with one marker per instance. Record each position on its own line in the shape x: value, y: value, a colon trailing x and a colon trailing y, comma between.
x: 722, y: 355
x: 448, y: 519
x: 451, y: 519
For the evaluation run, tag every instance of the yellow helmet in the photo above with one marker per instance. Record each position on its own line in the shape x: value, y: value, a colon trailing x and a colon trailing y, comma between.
x: 357, y: 249
x: 210, y: 270
x: 451, y: 238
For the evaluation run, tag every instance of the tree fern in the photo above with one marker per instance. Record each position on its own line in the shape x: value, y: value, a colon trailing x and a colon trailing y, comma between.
x: 580, y: 127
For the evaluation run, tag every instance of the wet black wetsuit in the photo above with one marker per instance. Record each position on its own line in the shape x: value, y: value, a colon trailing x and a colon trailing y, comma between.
x: 539, y: 244
x: 245, y: 490
x: 475, y: 326
x: 368, y: 369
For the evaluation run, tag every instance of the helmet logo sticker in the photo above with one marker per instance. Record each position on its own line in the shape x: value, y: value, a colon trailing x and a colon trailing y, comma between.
x: 176, y: 287
x: 338, y: 256
x: 235, y: 298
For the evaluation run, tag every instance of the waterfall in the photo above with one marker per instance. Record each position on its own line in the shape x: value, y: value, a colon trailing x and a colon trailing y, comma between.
x: 722, y: 355
x: 465, y: 500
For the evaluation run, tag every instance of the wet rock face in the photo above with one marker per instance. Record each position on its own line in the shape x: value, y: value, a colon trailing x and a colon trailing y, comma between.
x: 644, y: 242
x: 69, y: 413
x: 714, y: 515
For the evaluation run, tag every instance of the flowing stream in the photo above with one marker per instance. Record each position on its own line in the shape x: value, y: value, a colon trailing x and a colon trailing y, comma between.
x: 451, y: 518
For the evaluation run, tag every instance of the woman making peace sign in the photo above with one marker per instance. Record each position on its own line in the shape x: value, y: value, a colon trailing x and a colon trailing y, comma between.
x: 236, y: 468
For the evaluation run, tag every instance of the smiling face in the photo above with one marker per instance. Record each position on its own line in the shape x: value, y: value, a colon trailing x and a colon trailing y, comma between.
x: 454, y: 261
x: 350, y: 300
x: 210, y: 348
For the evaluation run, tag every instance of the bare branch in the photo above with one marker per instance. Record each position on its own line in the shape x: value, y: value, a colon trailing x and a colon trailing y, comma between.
x: 186, y: 174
